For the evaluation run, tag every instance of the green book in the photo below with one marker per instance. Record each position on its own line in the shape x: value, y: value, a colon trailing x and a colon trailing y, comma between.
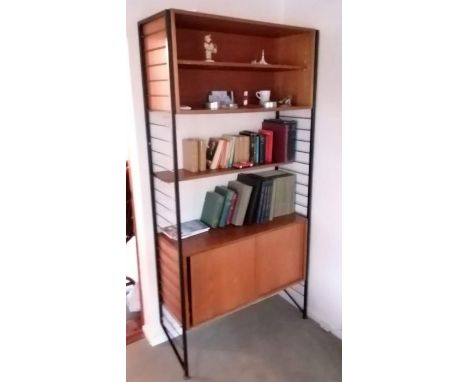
x: 277, y: 192
x: 228, y: 195
x: 212, y: 209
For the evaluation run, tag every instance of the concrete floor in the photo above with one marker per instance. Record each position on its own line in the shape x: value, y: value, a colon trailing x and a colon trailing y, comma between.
x: 266, y: 342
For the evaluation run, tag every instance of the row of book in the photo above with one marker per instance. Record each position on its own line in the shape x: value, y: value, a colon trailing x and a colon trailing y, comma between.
x: 273, y: 143
x: 252, y: 198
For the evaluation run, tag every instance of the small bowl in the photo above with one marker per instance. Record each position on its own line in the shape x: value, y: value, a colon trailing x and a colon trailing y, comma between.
x: 229, y: 106
x: 269, y: 104
x: 212, y: 105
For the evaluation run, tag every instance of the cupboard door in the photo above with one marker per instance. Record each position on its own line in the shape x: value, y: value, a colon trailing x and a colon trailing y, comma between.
x: 280, y: 257
x: 222, y: 279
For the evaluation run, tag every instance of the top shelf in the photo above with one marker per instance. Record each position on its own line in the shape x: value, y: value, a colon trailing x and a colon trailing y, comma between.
x: 224, y: 24
x: 196, y: 64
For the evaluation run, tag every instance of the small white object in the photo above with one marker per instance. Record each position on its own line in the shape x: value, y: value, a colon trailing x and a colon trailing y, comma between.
x: 262, y: 60
x: 133, y: 298
x: 263, y: 96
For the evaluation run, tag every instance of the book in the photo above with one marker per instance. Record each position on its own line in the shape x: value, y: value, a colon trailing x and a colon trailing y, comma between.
x: 277, y: 190
x: 256, y: 182
x: 201, y: 155
x: 187, y: 229
x: 228, y: 195
x: 210, y: 151
x: 268, y: 200
x: 232, y: 207
x: 231, y: 139
x: 280, y: 140
x: 285, y: 193
x: 284, y: 136
x: 268, y: 134
x: 243, y: 197
x: 253, y: 145
x: 264, y: 202
x: 261, y: 151
x: 212, y: 209
x: 217, y: 154
x: 224, y: 157
x: 245, y: 148
x: 190, y: 154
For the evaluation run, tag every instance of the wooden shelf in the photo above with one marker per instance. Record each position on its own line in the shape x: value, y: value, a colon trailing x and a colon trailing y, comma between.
x: 196, y: 64
x: 218, y: 237
x: 168, y: 176
x: 244, y: 109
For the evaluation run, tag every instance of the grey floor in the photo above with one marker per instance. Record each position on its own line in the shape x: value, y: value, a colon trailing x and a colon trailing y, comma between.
x: 267, y: 342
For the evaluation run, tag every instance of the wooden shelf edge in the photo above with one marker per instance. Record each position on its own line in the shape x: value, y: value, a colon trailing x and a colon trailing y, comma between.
x: 218, y: 237
x: 199, y: 64
x: 252, y: 109
x: 184, y: 175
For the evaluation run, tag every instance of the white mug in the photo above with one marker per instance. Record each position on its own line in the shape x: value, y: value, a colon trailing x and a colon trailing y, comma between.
x: 263, y: 95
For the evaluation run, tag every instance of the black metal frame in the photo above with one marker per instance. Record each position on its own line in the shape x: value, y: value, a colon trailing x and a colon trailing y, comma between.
x: 183, y: 359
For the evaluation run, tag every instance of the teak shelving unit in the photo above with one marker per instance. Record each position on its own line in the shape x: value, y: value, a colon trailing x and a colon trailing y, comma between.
x: 207, y: 276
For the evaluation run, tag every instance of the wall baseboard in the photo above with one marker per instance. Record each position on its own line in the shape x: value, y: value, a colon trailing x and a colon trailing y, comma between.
x: 154, y: 336
x: 313, y: 315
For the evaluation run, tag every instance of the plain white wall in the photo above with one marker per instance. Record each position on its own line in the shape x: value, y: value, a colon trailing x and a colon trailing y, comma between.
x: 325, y: 264
x: 325, y: 258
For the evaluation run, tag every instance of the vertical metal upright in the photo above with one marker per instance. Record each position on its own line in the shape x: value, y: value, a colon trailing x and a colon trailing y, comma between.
x: 310, y: 164
x: 183, y: 359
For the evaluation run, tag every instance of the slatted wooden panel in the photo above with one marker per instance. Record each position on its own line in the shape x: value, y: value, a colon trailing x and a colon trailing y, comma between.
x: 170, y: 282
x: 157, y: 65
x: 154, y: 26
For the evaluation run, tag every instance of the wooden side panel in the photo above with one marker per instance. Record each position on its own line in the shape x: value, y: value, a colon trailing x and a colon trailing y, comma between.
x: 159, y: 103
x: 222, y: 280
x: 157, y: 65
x: 158, y: 72
x: 154, y: 26
x: 279, y: 258
x: 156, y: 57
x: 156, y: 41
x: 296, y: 50
x: 159, y: 88
x: 170, y: 282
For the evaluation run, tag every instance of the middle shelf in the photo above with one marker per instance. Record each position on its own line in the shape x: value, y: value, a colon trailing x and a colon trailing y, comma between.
x: 169, y: 176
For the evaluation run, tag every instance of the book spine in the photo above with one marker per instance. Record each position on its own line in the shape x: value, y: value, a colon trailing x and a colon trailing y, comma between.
x: 269, y: 150
x: 201, y: 155
x: 265, y: 202
x: 262, y: 148
x: 231, y: 208
x: 257, y: 149
x: 259, y: 206
x: 292, y: 132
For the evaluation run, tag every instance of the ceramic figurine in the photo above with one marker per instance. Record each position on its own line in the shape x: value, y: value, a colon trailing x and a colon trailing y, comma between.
x: 210, y: 48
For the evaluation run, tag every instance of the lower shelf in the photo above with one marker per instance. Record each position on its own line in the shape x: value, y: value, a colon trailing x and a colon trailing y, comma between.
x: 219, y: 237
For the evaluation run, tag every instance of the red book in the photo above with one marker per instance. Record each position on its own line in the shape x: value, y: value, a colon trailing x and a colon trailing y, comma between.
x: 268, y: 144
x: 280, y: 139
x: 232, y: 207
